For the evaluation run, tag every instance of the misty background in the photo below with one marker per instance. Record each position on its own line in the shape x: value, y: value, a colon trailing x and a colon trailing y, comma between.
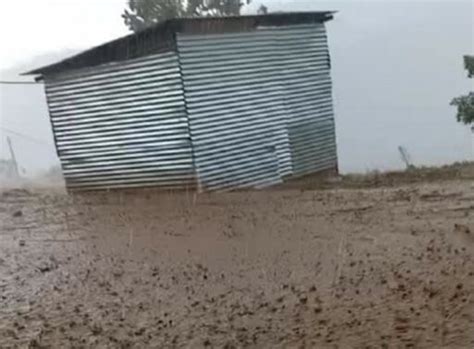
x: 396, y: 65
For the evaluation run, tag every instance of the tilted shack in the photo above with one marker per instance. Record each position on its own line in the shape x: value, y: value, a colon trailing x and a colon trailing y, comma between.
x: 219, y: 103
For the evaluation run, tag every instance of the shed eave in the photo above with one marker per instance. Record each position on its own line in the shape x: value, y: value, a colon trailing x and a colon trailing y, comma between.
x: 169, y: 27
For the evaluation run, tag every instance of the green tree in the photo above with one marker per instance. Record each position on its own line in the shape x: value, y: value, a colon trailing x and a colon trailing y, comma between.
x: 140, y: 14
x: 262, y: 10
x: 465, y: 104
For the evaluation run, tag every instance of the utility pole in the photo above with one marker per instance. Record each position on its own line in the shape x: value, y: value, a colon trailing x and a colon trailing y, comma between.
x: 13, y: 158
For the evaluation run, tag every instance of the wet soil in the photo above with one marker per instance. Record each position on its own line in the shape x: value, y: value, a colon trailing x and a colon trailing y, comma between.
x: 389, y: 267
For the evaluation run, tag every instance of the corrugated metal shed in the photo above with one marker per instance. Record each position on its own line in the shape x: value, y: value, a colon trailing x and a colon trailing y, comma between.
x: 222, y: 103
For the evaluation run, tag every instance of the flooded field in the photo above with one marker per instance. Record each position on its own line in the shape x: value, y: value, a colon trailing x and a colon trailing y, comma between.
x: 341, y: 267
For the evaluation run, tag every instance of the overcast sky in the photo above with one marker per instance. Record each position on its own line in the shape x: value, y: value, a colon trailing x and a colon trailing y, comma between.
x: 32, y: 27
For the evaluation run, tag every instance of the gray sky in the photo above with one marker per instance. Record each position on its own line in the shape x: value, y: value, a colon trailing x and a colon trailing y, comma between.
x: 45, y: 26
x: 395, y: 66
x: 32, y: 27
x: 53, y: 25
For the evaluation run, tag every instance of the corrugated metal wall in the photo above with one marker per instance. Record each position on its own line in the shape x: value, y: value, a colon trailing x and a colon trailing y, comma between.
x: 237, y: 116
x: 122, y: 124
x: 308, y: 97
x: 259, y: 105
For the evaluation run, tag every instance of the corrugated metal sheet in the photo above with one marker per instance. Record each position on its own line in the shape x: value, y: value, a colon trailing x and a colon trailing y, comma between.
x: 237, y: 117
x: 122, y: 124
x: 308, y: 97
x: 256, y: 100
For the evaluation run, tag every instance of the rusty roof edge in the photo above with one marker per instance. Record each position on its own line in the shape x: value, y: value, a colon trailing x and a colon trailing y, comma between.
x: 175, y: 25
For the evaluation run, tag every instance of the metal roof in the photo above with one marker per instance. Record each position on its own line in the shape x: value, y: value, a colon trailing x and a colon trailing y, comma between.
x: 161, y: 37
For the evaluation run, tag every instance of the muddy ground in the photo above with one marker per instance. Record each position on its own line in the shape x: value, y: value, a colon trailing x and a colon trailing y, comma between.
x: 347, y: 266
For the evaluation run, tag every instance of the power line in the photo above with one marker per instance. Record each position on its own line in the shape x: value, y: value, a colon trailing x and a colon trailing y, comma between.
x: 19, y: 82
x: 32, y: 139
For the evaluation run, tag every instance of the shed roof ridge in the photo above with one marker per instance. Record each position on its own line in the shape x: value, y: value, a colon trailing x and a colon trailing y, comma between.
x: 171, y: 26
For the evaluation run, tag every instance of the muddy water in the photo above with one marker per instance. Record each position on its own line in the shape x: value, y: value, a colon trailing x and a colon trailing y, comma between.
x: 332, y: 268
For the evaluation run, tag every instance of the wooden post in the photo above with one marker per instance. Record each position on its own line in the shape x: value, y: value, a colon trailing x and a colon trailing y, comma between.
x: 13, y: 158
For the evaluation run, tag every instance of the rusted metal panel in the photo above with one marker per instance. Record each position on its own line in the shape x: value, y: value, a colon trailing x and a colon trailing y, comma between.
x: 122, y: 124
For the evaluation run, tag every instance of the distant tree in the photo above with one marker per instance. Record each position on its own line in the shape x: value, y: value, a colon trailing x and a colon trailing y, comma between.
x: 469, y: 65
x: 262, y: 10
x: 465, y: 104
x: 140, y: 14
